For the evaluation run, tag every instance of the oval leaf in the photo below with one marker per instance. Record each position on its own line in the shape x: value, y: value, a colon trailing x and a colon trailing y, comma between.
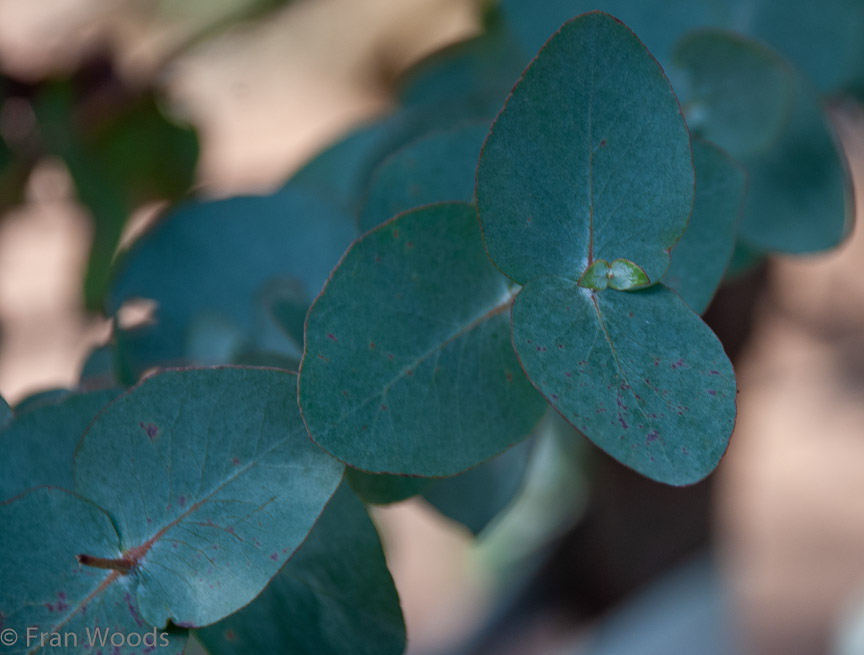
x: 589, y: 159
x: 616, y: 367
x: 210, y: 257
x: 739, y: 92
x: 46, y: 590
x: 436, y: 168
x: 701, y: 257
x: 407, y: 367
x: 212, y: 483
x: 334, y: 596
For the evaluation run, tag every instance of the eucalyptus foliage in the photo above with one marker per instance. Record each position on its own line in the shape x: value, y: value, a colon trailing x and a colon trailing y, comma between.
x: 521, y: 232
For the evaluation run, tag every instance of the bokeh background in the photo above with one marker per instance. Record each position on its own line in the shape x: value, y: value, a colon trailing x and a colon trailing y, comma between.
x: 786, y: 574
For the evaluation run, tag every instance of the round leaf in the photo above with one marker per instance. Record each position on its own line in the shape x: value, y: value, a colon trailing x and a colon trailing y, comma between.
x: 637, y: 373
x: 739, y: 92
x: 46, y: 590
x: 212, y: 483
x: 436, y: 168
x: 589, y: 159
x: 408, y: 367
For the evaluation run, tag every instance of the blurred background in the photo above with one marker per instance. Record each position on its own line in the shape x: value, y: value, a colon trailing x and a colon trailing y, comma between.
x: 267, y: 86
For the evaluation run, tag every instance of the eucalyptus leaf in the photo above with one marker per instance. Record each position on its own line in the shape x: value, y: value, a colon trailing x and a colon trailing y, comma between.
x: 659, y: 23
x: 212, y: 483
x: 408, y: 366
x: 701, y: 257
x: 334, y: 596
x: 438, y: 167
x: 616, y: 367
x: 384, y: 488
x: 341, y: 171
x: 595, y: 138
x: 46, y: 590
x: 475, y: 498
x: 799, y: 193
x: 469, y: 79
x: 739, y: 93
x: 211, y: 257
x: 39, y: 444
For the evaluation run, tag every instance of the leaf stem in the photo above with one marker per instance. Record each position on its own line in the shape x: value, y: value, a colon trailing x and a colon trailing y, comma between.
x: 123, y: 565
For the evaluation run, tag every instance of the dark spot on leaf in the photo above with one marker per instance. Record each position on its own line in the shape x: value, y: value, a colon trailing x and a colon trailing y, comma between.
x: 711, y: 392
x: 235, y: 461
x: 389, y: 355
x: 323, y: 358
x: 554, y: 397
x: 509, y: 376
x: 384, y: 407
x: 274, y: 557
x: 331, y: 337
x: 150, y: 430
x: 410, y: 244
x: 677, y: 364
x: 603, y: 143
x: 568, y: 374
x: 713, y: 372
x: 652, y: 436
x: 560, y: 345
x: 182, y: 501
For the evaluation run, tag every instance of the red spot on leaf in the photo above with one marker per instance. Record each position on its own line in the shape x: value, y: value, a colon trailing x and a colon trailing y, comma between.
x: 371, y: 345
x: 396, y: 233
x: 235, y: 461
x: 229, y: 635
x: 331, y: 337
x: 410, y: 244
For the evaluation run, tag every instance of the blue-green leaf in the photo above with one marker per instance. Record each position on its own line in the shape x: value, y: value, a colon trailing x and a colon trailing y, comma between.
x: 638, y: 373
x: 799, y: 192
x: 700, y: 258
x: 589, y: 159
x: 39, y: 444
x: 659, y: 23
x: 334, y: 596
x: 438, y: 167
x: 46, y: 590
x: 211, y: 257
x: 737, y: 92
x: 408, y: 366
x: 473, y: 498
x: 212, y: 483
x: 476, y: 497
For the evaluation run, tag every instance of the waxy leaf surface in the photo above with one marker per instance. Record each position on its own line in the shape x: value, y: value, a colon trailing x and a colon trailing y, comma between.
x: 212, y: 483
x: 701, y: 257
x: 45, y: 589
x: 739, y: 93
x: 589, y: 159
x: 638, y: 373
x: 473, y: 498
x: 210, y: 257
x: 39, y: 445
x: 407, y: 366
x: 799, y: 192
x: 334, y: 596
x: 436, y: 168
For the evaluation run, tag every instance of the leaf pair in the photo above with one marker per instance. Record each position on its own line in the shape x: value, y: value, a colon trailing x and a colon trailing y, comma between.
x: 589, y: 162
